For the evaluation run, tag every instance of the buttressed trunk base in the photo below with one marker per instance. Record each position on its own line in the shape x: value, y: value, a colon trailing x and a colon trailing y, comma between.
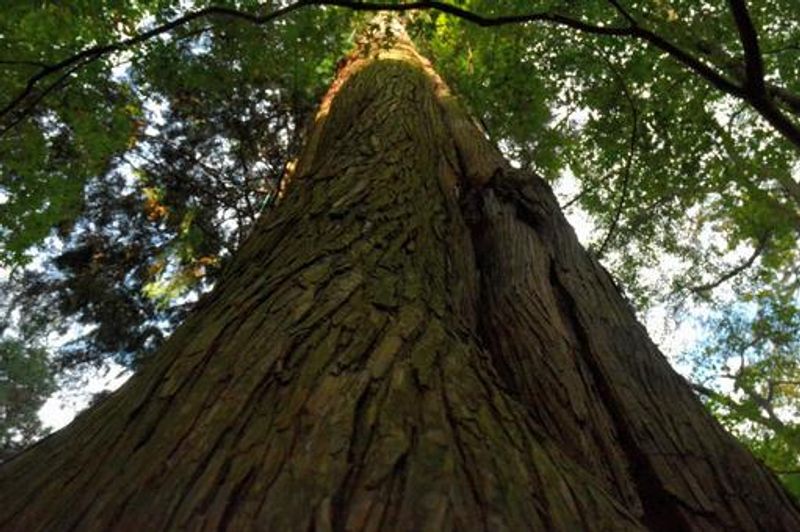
x: 413, y: 339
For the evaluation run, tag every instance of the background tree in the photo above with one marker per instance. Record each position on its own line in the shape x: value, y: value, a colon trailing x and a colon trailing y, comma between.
x: 144, y: 163
x: 25, y: 382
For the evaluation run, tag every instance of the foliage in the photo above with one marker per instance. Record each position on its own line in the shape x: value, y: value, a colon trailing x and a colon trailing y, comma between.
x: 132, y: 176
x: 754, y: 348
x: 25, y: 383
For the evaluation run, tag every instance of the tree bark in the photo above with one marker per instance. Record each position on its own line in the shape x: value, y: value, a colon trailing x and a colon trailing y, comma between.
x: 413, y: 339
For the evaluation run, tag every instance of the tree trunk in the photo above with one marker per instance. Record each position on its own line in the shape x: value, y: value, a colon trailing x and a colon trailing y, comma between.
x: 413, y: 339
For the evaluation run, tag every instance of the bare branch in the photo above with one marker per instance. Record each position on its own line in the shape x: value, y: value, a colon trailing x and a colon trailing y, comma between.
x: 626, y: 171
x: 786, y: 97
x: 754, y: 66
x: 736, y: 69
x: 785, y: 471
x: 575, y: 199
x: 475, y: 18
x: 733, y: 272
x: 792, y: 47
x: 622, y: 11
x: 10, y: 62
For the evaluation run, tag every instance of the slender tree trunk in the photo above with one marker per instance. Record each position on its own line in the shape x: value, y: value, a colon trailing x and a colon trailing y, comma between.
x: 412, y: 339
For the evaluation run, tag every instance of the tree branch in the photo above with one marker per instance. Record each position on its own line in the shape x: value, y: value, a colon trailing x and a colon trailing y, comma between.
x: 792, y: 47
x: 788, y: 98
x: 575, y: 199
x: 736, y: 69
x: 755, y: 95
x: 634, y: 30
x: 626, y: 172
x: 754, y: 66
x: 476, y: 18
x: 733, y: 272
x: 785, y: 471
x: 622, y: 11
x: 771, y: 422
x: 58, y: 83
x: 95, y: 52
x: 10, y: 62
x: 755, y: 88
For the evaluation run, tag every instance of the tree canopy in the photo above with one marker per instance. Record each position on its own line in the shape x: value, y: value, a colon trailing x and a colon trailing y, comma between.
x: 140, y: 140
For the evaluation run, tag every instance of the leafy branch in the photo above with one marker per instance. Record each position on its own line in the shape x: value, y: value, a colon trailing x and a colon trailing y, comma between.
x: 62, y: 80
x: 770, y: 420
x: 93, y: 53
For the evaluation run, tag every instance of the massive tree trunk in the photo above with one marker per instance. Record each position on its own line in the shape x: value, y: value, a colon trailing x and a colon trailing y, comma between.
x: 412, y: 339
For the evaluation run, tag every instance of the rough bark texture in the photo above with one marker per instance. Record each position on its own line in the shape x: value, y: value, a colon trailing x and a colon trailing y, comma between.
x: 412, y: 340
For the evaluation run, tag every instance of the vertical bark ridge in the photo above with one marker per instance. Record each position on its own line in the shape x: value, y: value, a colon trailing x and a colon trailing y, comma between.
x: 659, y: 450
x: 658, y: 511
x: 526, y: 332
